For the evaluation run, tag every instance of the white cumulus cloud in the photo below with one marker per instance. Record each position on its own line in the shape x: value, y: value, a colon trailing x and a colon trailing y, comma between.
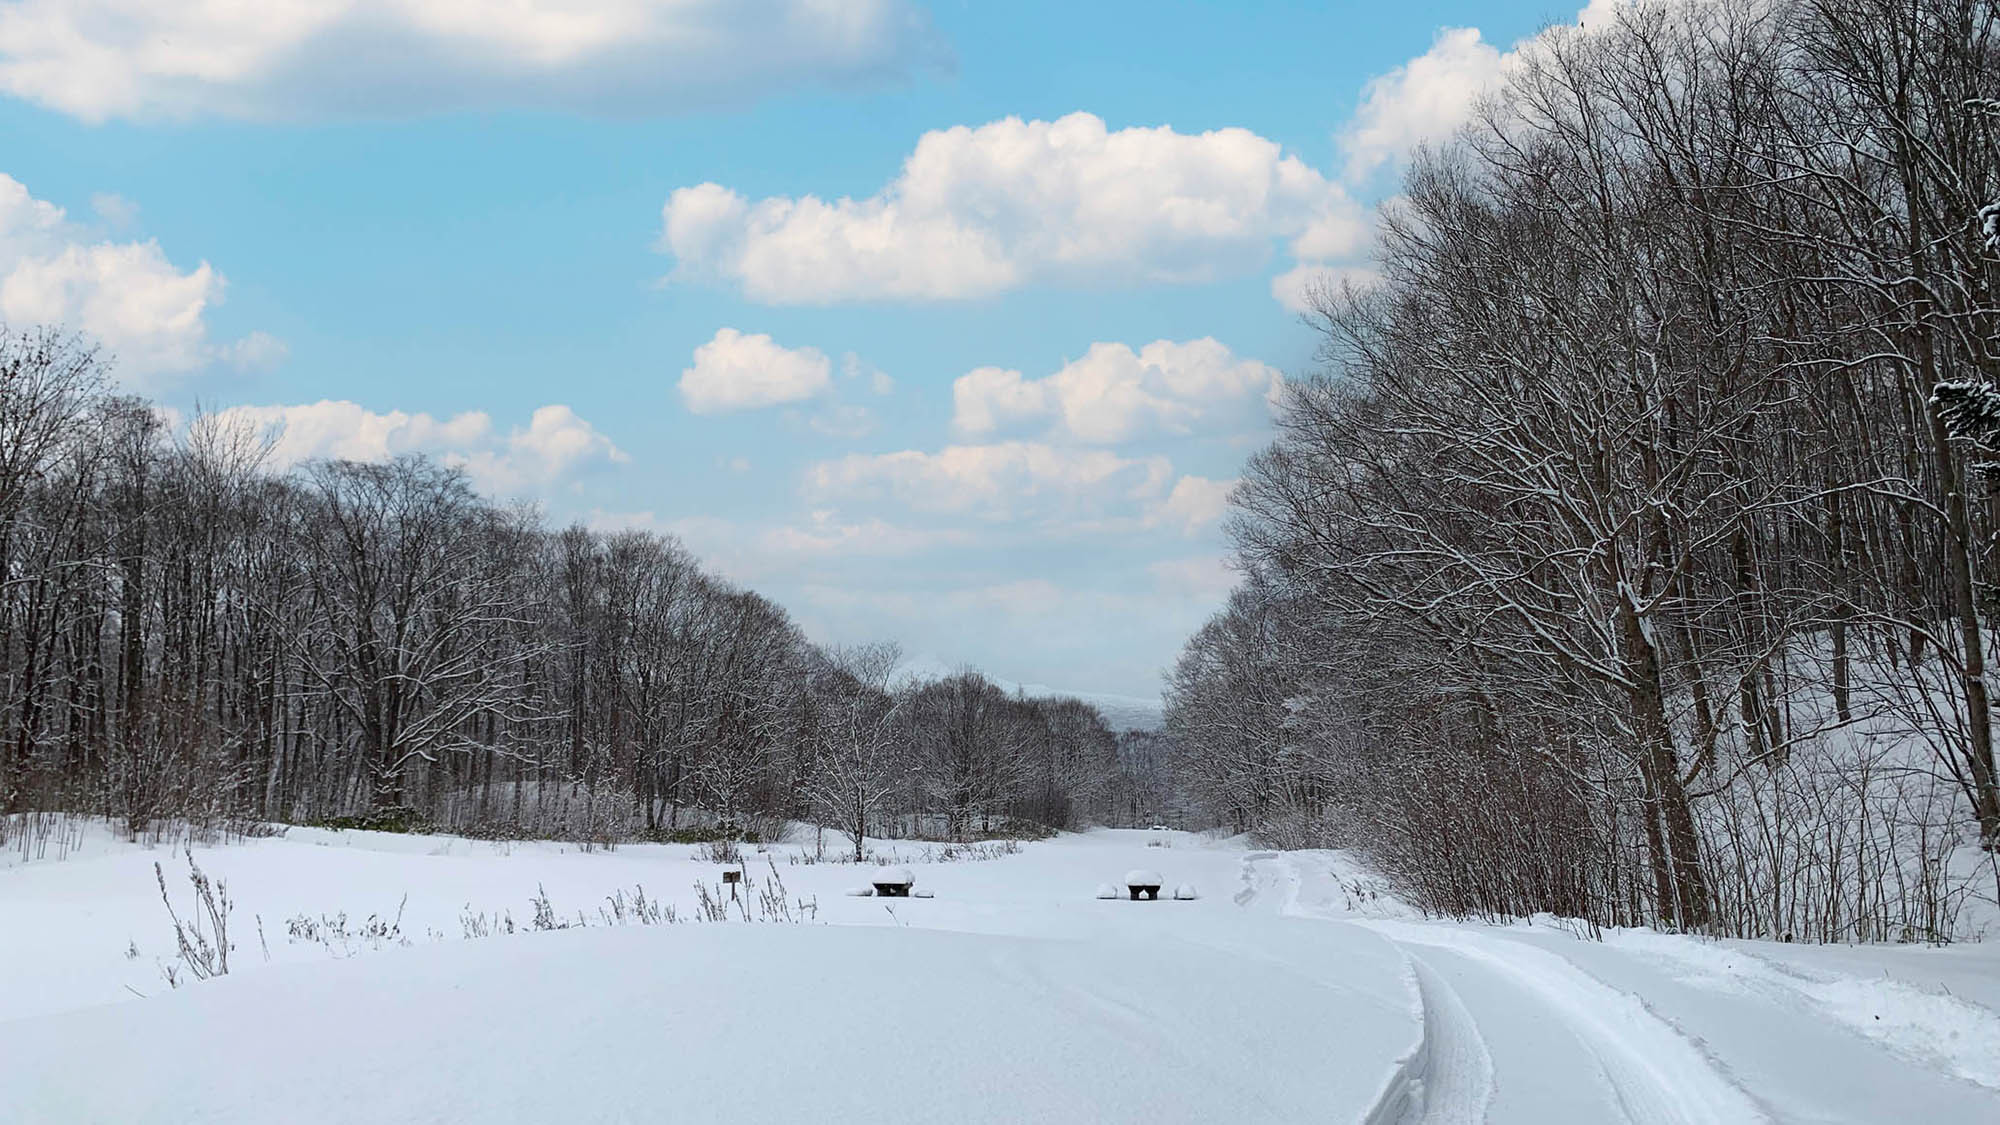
x: 1194, y: 504
x: 1114, y: 394
x: 824, y: 534
x: 127, y: 296
x: 738, y: 372
x: 1004, y: 481
x: 853, y: 367
x: 552, y: 448
x: 1425, y: 99
x: 757, y: 550
x: 100, y: 59
x: 977, y: 211
x: 1208, y: 577
x: 1298, y: 288
x: 991, y: 398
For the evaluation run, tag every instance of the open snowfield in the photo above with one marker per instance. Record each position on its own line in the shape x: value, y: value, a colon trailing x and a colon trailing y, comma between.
x: 1285, y: 992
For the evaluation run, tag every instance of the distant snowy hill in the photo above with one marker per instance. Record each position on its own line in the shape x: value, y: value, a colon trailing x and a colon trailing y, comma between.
x: 1122, y: 712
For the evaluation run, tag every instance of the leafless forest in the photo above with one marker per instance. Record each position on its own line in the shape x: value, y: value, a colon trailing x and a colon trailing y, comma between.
x: 190, y: 638
x: 1633, y: 556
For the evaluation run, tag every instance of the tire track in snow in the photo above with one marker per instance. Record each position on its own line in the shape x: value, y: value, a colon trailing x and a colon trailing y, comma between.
x: 1247, y: 893
x: 1657, y: 1075
x: 1456, y: 1083
x: 1448, y: 1079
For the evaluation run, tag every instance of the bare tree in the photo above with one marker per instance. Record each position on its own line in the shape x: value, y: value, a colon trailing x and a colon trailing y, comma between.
x: 409, y: 581
x: 860, y: 754
x: 1632, y: 489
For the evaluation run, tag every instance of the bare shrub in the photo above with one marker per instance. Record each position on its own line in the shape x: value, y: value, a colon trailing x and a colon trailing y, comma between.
x: 720, y: 851
x: 341, y: 937
x: 203, y: 940
x: 33, y: 832
x: 929, y: 853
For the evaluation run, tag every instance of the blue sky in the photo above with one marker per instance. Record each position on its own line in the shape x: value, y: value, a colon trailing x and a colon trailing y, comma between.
x: 1003, y: 392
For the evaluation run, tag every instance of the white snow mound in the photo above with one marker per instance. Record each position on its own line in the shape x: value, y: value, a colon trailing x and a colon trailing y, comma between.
x: 893, y: 875
x: 1185, y: 892
x: 1143, y: 877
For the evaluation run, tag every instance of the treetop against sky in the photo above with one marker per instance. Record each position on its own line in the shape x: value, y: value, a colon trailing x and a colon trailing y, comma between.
x: 950, y: 323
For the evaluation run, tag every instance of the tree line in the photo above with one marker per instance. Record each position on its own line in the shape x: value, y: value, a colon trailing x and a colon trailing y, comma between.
x: 1632, y: 556
x: 188, y: 637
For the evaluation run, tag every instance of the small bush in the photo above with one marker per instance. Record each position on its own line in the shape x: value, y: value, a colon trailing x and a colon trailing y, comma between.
x: 695, y: 834
x: 341, y: 937
x: 724, y: 850
x: 403, y: 820
x: 931, y: 853
x: 1018, y: 828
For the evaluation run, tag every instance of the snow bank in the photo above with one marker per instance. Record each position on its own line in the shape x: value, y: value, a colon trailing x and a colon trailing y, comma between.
x: 1657, y: 1072
x: 1808, y: 1033
x: 1959, y: 1037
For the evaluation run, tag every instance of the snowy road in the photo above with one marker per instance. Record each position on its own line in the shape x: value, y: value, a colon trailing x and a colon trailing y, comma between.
x: 1558, y: 1046
x: 1530, y: 1024
x: 1287, y: 992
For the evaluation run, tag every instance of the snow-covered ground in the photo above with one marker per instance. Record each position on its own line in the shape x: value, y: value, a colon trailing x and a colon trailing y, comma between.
x: 1530, y: 1023
x: 1287, y: 991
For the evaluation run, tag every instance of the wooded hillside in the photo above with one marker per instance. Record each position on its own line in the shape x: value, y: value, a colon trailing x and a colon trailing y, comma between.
x: 1633, y: 556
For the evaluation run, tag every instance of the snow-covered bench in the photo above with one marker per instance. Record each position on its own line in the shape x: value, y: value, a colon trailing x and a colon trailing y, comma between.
x: 892, y: 882
x: 1143, y: 881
